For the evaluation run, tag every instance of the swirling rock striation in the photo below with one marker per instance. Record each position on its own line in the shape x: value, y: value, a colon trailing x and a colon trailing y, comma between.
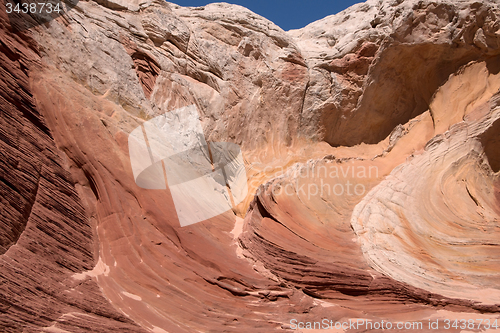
x: 370, y: 140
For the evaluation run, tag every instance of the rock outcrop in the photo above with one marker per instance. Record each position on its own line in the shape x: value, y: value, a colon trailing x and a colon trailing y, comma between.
x: 370, y: 141
x: 46, y: 234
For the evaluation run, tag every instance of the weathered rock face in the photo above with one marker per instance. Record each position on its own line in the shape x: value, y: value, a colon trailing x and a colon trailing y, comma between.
x: 371, y: 145
x: 382, y: 63
x: 46, y: 234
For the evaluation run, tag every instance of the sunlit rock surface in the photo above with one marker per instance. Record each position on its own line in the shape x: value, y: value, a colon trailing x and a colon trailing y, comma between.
x: 371, y: 149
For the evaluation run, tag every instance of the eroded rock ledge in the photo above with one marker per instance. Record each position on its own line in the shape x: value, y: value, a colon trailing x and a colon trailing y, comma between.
x: 393, y: 102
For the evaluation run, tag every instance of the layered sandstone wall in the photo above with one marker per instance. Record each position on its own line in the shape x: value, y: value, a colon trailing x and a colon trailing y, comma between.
x: 46, y: 233
x: 370, y: 143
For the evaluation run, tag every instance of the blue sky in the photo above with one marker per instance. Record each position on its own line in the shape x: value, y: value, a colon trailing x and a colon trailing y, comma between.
x: 288, y: 14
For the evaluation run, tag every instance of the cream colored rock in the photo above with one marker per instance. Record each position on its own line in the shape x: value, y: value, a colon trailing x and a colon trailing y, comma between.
x: 377, y: 64
x: 433, y: 223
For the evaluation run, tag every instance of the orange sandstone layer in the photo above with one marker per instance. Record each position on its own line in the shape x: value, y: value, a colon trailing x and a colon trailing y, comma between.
x: 370, y: 141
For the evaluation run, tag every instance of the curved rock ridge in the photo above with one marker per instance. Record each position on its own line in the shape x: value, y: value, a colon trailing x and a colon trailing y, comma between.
x: 369, y: 138
x: 46, y: 234
x: 356, y: 66
x: 433, y: 222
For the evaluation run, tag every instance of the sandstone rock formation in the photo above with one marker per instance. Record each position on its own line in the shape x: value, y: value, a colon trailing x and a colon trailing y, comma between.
x: 370, y: 140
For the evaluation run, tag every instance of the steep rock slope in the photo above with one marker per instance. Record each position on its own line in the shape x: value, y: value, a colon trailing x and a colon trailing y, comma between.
x: 381, y: 62
x: 45, y: 233
x: 369, y: 139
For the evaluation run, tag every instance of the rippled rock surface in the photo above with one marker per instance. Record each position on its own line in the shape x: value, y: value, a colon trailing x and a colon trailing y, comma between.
x: 370, y: 143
